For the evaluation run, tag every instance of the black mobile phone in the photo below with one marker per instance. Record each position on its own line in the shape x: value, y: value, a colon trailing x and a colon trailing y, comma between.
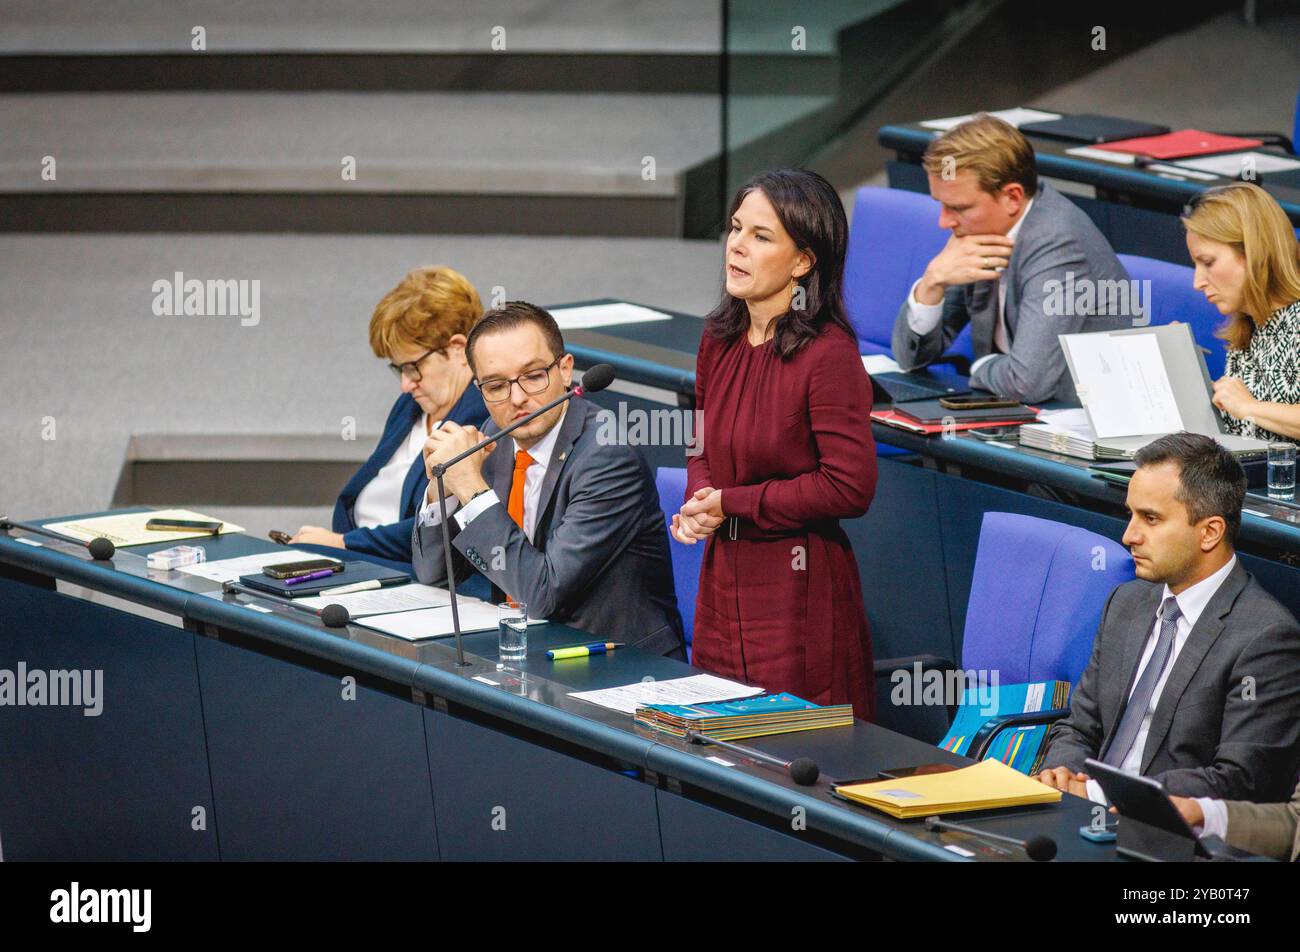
x: 283, y: 538
x: 183, y: 525
x: 976, y: 403
x: 293, y: 569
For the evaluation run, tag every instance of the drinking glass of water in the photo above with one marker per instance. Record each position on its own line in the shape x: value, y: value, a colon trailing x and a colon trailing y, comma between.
x: 512, y: 630
x: 1281, y: 471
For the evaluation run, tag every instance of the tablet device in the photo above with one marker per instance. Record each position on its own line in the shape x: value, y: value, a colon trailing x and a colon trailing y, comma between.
x: 1140, y: 798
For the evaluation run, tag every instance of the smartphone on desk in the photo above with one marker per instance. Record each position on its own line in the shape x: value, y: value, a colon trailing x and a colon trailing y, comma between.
x: 183, y: 525
x: 973, y: 402
x: 287, y: 570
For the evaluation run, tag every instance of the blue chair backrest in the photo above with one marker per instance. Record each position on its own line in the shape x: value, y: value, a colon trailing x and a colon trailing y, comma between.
x: 1295, y: 127
x: 686, y: 559
x: 1037, y: 596
x: 894, y: 235
x: 1174, y: 299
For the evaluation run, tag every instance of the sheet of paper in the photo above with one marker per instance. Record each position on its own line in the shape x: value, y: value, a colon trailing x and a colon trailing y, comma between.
x: 382, y: 601
x: 1103, y: 155
x: 605, y: 315
x: 1181, y: 172
x: 1073, y: 421
x: 475, y: 615
x: 227, y: 570
x: 697, y: 689
x: 1232, y: 164
x: 1123, y: 382
x: 880, y: 364
x: 127, y: 528
x: 1016, y: 117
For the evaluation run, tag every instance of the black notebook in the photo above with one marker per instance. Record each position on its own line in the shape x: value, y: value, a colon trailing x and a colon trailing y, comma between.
x: 1087, y: 127
x: 352, y: 572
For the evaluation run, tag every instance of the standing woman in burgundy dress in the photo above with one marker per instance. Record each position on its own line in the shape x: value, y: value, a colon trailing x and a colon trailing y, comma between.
x: 785, y: 452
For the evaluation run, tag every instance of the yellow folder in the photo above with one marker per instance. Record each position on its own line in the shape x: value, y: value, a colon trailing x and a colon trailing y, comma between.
x: 988, y: 785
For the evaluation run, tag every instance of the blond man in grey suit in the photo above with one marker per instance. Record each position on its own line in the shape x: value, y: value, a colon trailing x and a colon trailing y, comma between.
x: 1269, y: 829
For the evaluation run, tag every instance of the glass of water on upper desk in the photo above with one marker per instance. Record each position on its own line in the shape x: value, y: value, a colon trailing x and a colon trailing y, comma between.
x: 512, y: 630
x: 1281, y: 471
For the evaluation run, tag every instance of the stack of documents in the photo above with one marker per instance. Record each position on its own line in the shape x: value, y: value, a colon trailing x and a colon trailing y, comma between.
x: 752, y: 717
x: 695, y: 689
x: 988, y: 785
x: 1061, y: 431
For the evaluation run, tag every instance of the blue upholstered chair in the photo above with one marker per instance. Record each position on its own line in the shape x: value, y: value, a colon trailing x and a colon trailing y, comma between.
x: 686, y: 559
x: 893, y: 236
x: 1036, y: 598
x: 1174, y: 299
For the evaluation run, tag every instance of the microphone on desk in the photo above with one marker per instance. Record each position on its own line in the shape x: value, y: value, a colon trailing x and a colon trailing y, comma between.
x: 596, y: 378
x: 803, y: 770
x: 1040, y: 849
x: 332, y: 615
x: 101, y: 549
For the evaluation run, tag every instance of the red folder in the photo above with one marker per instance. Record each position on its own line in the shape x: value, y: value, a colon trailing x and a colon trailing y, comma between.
x: 901, y: 422
x: 1181, y: 144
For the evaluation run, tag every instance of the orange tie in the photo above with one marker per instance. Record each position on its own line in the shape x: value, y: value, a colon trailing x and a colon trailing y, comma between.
x: 516, y: 507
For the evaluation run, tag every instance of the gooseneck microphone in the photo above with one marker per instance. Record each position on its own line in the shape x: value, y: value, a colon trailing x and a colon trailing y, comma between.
x: 803, y: 770
x: 332, y: 615
x: 101, y: 549
x: 1040, y: 849
x: 597, y: 378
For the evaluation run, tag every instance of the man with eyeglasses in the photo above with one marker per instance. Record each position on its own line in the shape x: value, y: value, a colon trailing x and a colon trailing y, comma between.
x: 551, y: 515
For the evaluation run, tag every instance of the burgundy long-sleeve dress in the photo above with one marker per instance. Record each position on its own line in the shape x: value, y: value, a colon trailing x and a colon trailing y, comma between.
x: 789, y: 444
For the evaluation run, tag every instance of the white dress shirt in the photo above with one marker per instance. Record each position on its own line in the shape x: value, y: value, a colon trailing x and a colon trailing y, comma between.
x: 1190, y: 605
x: 923, y: 318
x: 380, y: 501
x: 541, y: 452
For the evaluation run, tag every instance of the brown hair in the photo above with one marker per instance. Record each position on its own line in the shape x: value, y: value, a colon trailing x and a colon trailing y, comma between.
x: 510, y: 315
x: 993, y: 150
x: 427, y: 308
x: 1249, y: 220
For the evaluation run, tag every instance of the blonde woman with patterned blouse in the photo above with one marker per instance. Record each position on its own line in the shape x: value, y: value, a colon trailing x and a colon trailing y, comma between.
x: 1247, y: 265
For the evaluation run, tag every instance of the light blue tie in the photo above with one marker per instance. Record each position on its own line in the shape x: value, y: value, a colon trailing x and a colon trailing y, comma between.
x: 1131, y: 722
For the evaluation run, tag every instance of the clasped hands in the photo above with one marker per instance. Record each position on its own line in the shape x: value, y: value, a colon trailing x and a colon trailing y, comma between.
x: 465, y: 479
x: 699, y: 516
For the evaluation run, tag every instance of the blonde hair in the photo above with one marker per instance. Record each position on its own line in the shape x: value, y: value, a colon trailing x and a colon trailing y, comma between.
x: 1247, y: 219
x: 427, y: 308
x: 994, y: 150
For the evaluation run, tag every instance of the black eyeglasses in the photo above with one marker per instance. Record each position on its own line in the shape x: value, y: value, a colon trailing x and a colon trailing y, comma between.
x: 532, y: 381
x: 411, y: 369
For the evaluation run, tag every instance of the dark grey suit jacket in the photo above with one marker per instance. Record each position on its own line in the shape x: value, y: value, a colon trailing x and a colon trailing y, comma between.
x: 600, y: 557
x: 1209, y: 737
x: 1056, y: 239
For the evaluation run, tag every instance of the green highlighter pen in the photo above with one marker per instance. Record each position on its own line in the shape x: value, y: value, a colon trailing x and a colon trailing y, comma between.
x: 581, y: 651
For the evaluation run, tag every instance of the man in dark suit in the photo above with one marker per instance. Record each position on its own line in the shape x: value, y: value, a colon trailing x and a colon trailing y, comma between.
x: 553, y: 515
x: 1024, y: 265
x: 1194, y: 678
